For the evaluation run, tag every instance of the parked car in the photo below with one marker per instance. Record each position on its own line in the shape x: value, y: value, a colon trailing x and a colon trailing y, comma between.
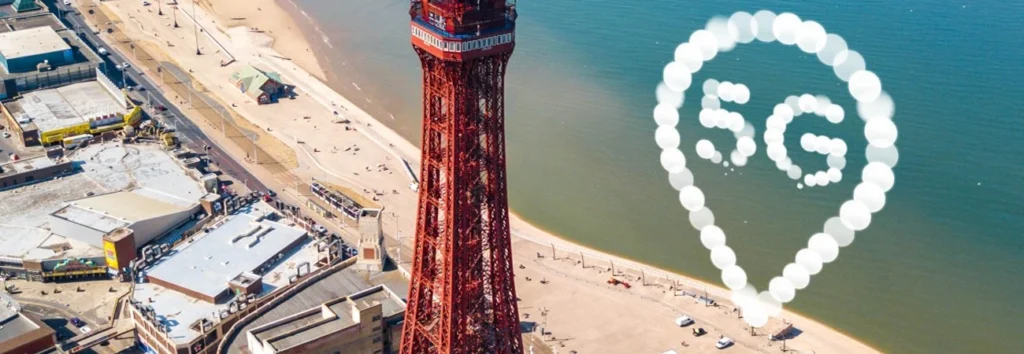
x: 723, y: 342
x: 77, y: 322
x: 102, y: 51
x: 320, y: 229
x: 697, y: 332
x: 684, y: 321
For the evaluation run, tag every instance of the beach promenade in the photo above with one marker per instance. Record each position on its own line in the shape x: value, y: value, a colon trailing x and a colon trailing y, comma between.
x: 563, y: 286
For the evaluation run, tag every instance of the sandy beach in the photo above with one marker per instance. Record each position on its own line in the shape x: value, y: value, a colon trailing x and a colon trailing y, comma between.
x: 563, y: 286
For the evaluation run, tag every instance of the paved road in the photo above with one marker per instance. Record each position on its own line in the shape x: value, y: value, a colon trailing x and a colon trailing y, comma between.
x: 187, y: 131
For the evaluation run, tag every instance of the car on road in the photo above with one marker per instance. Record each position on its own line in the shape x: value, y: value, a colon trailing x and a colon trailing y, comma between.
x: 7, y: 135
x: 684, y: 321
x: 86, y: 329
x: 67, y: 2
x: 723, y: 342
x: 77, y: 322
x: 126, y: 65
x: 102, y: 51
x: 320, y: 229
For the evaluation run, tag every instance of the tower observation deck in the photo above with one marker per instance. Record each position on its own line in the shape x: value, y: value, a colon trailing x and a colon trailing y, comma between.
x: 462, y: 297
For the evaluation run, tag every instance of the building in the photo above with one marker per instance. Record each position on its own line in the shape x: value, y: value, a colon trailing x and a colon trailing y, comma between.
x: 21, y: 6
x: 366, y: 322
x: 91, y: 221
x: 348, y: 205
x: 372, y: 254
x: 50, y: 116
x: 24, y: 50
x: 181, y: 300
x: 262, y: 86
x: 21, y: 333
x: 60, y: 69
x: 17, y: 173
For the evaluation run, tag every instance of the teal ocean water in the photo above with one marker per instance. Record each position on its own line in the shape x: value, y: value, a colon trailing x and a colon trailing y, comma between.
x: 940, y: 270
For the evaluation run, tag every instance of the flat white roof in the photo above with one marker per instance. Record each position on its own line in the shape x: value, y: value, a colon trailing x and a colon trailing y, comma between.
x: 24, y: 219
x: 66, y: 106
x: 36, y: 163
x: 154, y: 172
x: 176, y: 310
x: 31, y: 41
x: 207, y: 264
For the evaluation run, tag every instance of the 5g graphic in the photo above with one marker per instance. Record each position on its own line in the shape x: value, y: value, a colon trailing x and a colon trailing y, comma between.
x: 874, y: 107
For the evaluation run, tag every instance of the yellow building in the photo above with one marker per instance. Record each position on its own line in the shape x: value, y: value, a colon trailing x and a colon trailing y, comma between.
x: 47, y: 117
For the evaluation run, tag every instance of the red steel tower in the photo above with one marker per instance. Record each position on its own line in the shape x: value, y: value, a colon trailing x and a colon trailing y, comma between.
x: 462, y: 298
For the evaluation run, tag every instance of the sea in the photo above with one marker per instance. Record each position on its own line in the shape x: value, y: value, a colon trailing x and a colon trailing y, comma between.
x: 939, y: 270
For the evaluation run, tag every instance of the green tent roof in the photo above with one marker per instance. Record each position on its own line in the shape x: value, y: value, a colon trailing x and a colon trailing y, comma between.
x: 24, y: 5
x: 252, y: 79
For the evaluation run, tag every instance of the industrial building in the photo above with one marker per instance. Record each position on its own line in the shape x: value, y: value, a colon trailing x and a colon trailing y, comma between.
x: 26, y: 50
x: 90, y: 222
x: 39, y: 52
x: 19, y: 332
x: 262, y: 86
x: 233, y: 262
x: 41, y: 168
x: 49, y: 116
x: 366, y: 322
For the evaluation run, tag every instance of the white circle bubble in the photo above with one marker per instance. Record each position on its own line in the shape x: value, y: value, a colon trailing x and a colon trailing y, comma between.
x: 782, y: 289
x: 712, y: 236
x: 871, y: 195
x: 721, y: 118
x: 707, y: 43
x: 692, y: 198
x: 807, y: 103
x: 797, y: 275
x: 881, y: 133
x: 677, y: 76
x: 888, y: 155
x: 809, y: 260
x: 710, y: 102
x: 843, y: 235
x: 746, y: 146
x: 719, y: 26
x: 741, y: 93
x: 667, y: 96
x: 811, y: 37
x: 771, y: 306
x: 736, y: 122
x: 786, y: 27
x: 823, y: 103
x: 794, y: 172
x: 702, y: 218
x: 810, y: 181
x: 725, y: 91
x: 755, y: 315
x: 738, y: 159
x: 865, y: 86
x: 734, y: 277
x: 848, y: 62
x: 723, y: 256
x: 666, y: 115
x: 881, y: 108
x: 717, y: 157
x: 836, y: 161
x: 672, y: 160
x: 835, y: 114
x: 783, y: 111
x: 667, y: 137
x: 879, y: 174
x: 825, y: 246
x: 807, y: 142
x: 743, y: 296
x: 690, y: 55
x: 822, y: 144
x: 680, y: 179
x: 764, y: 20
x: 710, y: 87
x: 707, y: 118
x: 821, y: 178
x: 834, y: 175
x: 705, y: 148
x: 741, y: 27
x: 784, y: 164
x: 837, y: 147
x: 834, y: 44
x: 855, y: 215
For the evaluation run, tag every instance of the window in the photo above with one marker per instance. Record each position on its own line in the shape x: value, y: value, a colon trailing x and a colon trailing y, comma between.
x: 376, y: 340
x: 376, y: 318
x: 376, y: 351
x: 376, y: 329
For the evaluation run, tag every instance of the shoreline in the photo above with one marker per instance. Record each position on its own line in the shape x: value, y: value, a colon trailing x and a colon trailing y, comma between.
x: 563, y: 241
x: 382, y: 134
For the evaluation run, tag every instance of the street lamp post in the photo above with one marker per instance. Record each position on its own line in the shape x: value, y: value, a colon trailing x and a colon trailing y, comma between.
x: 159, y: 8
x: 195, y: 21
x: 174, y: 13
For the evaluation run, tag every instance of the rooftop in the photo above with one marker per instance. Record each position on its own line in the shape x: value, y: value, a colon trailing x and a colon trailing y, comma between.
x: 107, y: 212
x: 12, y: 323
x: 31, y: 41
x: 35, y: 163
x: 65, y: 106
x: 331, y: 317
x: 148, y: 167
x: 241, y: 243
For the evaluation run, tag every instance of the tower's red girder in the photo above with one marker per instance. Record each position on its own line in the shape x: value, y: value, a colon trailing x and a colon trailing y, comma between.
x: 462, y: 298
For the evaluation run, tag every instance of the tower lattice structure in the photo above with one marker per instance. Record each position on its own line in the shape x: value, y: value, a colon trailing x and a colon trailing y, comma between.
x: 462, y: 297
